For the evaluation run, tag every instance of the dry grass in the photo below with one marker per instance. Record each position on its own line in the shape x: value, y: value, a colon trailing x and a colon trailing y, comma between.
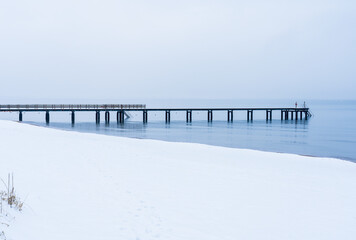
x: 9, y: 196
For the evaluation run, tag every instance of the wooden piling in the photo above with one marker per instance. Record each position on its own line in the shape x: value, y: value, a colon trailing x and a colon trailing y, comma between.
x: 168, y: 116
x: 230, y: 116
x: 107, y: 117
x: 73, y: 117
x: 189, y: 116
x: 47, y: 117
x: 120, y: 116
x: 210, y: 115
x: 268, y: 115
x: 97, y: 117
x: 249, y: 115
x: 145, y: 117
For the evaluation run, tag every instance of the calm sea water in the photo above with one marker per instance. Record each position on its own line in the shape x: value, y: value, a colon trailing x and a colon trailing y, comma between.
x: 331, y: 132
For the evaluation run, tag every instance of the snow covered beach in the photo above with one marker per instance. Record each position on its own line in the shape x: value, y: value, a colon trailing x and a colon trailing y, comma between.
x: 88, y: 186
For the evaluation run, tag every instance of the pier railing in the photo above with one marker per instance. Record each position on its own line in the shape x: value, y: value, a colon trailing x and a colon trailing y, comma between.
x: 15, y: 107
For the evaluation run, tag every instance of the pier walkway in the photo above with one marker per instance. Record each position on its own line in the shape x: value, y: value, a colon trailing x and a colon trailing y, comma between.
x: 121, y: 109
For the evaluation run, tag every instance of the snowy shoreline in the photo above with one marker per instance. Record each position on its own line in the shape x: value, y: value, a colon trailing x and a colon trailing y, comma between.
x: 92, y: 186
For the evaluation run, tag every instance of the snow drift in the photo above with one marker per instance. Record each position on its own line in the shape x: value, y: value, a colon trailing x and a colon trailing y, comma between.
x: 88, y: 186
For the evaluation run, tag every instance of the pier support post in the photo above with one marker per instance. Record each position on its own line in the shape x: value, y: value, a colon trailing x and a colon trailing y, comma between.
x: 268, y: 115
x: 296, y: 115
x: 189, y: 115
x: 120, y: 116
x: 168, y: 116
x: 230, y: 116
x: 249, y: 115
x: 73, y: 117
x: 122, y: 119
x: 145, y: 116
x: 20, y: 116
x: 97, y: 117
x: 107, y: 117
x: 291, y: 115
x: 210, y: 115
x: 306, y: 116
x: 282, y: 112
x: 286, y: 115
x: 301, y: 115
x: 47, y: 117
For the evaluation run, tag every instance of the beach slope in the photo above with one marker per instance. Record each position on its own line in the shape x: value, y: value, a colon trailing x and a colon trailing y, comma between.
x: 88, y: 186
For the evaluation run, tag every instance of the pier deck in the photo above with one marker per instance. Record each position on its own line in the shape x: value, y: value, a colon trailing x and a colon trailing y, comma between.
x: 286, y: 113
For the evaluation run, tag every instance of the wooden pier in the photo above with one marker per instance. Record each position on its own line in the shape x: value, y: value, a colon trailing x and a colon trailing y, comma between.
x: 122, y: 109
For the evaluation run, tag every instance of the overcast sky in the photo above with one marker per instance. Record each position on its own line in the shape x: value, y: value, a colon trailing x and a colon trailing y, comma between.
x: 110, y: 49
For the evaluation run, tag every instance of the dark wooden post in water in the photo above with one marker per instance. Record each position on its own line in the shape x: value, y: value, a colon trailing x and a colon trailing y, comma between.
x: 249, y: 115
x: 230, y: 116
x: 306, y: 116
x: 120, y: 116
x: 73, y: 117
x: 168, y: 116
x: 107, y: 117
x: 286, y: 115
x: 145, y: 116
x: 189, y: 115
x: 268, y: 115
x: 97, y: 117
x: 291, y: 115
x: 210, y: 115
x: 301, y: 115
x: 20, y: 116
x: 47, y: 117
x: 296, y: 115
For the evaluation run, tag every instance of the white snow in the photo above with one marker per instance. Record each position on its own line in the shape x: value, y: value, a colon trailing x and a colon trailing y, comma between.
x: 88, y: 186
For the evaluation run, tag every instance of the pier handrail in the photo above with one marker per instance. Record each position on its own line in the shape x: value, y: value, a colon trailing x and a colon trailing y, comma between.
x: 70, y: 106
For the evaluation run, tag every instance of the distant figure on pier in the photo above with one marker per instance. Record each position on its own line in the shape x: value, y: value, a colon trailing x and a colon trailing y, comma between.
x: 296, y: 104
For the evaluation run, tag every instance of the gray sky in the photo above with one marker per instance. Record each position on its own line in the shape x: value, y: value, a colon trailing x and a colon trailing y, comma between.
x: 177, y: 49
